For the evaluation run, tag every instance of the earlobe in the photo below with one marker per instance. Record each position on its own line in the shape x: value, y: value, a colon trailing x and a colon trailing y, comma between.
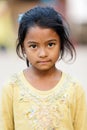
x: 23, y: 51
x: 25, y: 55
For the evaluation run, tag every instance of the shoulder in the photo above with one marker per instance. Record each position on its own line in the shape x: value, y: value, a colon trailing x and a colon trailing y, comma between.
x: 72, y: 79
x: 75, y: 86
x: 12, y: 82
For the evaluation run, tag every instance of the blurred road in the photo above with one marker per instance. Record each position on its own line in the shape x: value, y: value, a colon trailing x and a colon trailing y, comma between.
x: 10, y: 63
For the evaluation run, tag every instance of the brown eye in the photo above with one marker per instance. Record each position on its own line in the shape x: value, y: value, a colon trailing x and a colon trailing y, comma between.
x: 51, y: 44
x: 33, y: 46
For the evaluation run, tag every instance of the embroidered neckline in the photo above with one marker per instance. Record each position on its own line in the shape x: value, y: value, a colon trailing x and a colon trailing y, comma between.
x: 42, y: 92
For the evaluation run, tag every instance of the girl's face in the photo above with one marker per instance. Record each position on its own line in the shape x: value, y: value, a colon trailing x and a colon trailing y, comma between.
x: 42, y: 47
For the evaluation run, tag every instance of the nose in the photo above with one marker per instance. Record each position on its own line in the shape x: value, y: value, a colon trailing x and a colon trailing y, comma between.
x: 42, y: 53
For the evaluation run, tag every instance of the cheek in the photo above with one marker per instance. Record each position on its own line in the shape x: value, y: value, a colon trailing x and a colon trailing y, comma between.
x: 57, y: 53
x: 31, y: 56
x: 56, y: 56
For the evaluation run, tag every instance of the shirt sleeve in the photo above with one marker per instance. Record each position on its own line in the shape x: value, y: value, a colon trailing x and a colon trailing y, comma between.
x: 80, y: 122
x: 7, y: 108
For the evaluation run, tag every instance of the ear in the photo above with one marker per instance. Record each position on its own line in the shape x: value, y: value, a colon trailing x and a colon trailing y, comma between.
x: 23, y: 50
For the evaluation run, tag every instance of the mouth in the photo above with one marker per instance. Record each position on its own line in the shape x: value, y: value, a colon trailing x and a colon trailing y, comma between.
x: 44, y: 62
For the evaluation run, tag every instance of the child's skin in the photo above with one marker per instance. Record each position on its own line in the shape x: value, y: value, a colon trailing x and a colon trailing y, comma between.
x: 42, y: 48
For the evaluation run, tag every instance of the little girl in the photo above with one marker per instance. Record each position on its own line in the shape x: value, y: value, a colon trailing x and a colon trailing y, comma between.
x: 42, y: 97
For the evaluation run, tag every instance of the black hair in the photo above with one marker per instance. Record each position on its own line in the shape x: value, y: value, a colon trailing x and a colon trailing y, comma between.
x: 45, y: 17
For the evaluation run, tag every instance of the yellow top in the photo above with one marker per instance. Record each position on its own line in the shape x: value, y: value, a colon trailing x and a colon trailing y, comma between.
x: 26, y: 108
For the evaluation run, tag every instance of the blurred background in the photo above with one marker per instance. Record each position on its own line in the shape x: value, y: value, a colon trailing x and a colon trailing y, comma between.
x: 75, y: 12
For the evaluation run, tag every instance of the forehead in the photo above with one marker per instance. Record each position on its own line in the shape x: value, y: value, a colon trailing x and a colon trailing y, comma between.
x: 39, y: 32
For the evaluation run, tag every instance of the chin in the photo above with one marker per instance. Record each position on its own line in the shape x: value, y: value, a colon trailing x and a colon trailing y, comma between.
x: 44, y: 68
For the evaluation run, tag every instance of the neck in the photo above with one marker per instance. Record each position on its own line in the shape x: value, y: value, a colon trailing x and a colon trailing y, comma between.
x: 43, y: 80
x: 43, y: 74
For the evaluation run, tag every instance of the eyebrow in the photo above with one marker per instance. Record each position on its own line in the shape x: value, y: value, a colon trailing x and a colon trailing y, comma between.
x: 34, y: 42
x: 52, y: 40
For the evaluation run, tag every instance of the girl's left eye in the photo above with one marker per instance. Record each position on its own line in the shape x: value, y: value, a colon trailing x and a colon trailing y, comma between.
x: 51, y: 44
x: 33, y: 46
